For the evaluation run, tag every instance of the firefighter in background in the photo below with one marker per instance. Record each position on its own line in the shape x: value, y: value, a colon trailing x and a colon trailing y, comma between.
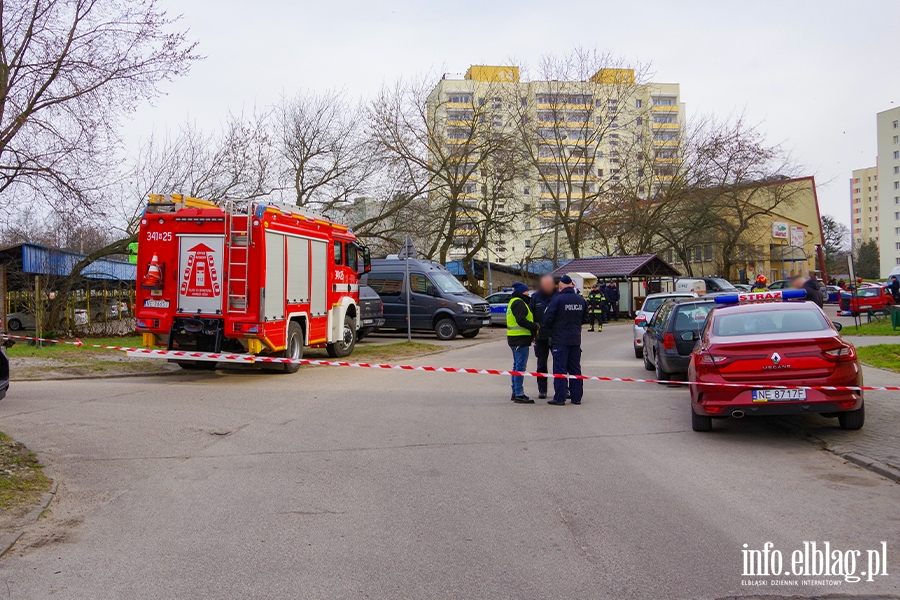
x: 596, y: 301
x: 761, y: 284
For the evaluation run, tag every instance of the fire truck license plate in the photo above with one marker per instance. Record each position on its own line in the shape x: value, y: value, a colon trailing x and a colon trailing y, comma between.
x: 776, y: 395
x: 150, y: 303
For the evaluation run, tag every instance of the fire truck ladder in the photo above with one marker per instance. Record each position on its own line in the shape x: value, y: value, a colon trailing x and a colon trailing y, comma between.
x: 237, y: 249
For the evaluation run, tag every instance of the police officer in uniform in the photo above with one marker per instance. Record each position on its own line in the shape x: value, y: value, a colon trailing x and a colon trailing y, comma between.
x: 520, y: 332
x: 596, y: 301
x: 564, y: 317
x: 613, y: 299
x: 539, y: 301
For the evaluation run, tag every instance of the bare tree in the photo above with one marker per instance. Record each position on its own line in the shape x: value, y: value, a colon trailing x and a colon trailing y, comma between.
x: 583, y: 105
x: 461, y: 153
x: 69, y: 70
x: 322, y: 144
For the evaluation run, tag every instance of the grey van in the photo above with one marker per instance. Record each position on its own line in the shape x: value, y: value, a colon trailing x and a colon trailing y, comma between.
x: 438, y: 301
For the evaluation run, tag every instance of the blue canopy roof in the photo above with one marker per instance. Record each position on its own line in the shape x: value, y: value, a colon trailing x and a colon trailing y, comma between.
x: 42, y: 260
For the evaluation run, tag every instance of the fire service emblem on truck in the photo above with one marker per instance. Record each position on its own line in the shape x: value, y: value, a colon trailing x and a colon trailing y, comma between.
x: 200, y: 278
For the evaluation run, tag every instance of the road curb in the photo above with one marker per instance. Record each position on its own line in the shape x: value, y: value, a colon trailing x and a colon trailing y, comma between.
x: 867, y: 463
x: 857, y: 459
x: 106, y: 376
x: 7, y: 541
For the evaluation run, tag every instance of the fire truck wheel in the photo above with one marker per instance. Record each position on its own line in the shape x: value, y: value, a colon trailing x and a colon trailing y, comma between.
x: 345, y: 346
x: 294, y: 347
x: 445, y: 329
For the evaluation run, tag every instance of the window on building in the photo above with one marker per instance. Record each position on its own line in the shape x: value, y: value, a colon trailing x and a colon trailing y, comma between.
x: 895, y: 124
x: 897, y: 261
x: 896, y: 170
x: 896, y: 154
x: 707, y: 252
x: 639, y: 104
x: 664, y: 101
x: 897, y: 185
x: 460, y: 98
x: 896, y: 139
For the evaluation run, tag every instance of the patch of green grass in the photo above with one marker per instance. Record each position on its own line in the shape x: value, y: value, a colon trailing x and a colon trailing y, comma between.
x: 885, y: 356
x: 22, y: 348
x: 387, y: 352
x: 882, y: 327
x: 21, y: 478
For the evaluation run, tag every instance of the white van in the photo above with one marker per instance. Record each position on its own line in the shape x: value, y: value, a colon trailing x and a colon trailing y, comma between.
x: 894, y: 272
x: 692, y: 286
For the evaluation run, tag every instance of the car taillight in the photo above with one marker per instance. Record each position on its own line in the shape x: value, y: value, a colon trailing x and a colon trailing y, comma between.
x: 640, y: 319
x: 669, y: 341
x: 712, y: 360
x: 842, y: 353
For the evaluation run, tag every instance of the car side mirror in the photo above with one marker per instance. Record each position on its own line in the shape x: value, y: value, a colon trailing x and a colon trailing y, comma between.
x: 837, y: 325
x: 688, y: 336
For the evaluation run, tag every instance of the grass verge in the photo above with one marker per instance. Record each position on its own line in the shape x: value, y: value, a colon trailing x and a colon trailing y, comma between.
x: 383, y: 352
x: 24, y: 349
x: 884, y: 356
x: 882, y: 327
x: 21, y: 478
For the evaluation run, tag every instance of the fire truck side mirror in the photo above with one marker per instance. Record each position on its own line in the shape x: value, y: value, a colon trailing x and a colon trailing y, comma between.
x: 367, y: 259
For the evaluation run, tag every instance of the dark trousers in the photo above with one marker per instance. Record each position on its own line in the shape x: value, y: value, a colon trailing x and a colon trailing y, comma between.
x: 567, y: 360
x: 615, y: 310
x: 542, y: 352
x: 596, y: 317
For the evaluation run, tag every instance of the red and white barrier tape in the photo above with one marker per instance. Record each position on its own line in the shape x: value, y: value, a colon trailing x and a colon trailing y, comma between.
x: 252, y: 359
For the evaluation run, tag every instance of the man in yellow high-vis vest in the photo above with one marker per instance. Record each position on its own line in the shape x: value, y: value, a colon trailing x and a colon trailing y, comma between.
x: 520, y: 332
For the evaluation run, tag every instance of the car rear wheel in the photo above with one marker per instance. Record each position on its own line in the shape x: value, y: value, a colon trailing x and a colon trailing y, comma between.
x: 647, y: 364
x: 345, y: 345
x: 700, y: 422
x: 660, y: 374
x: 638, y: 352
x: 470, y: 334
x: 15, y: 325
x: 853, y: 419
x: 445, y: 329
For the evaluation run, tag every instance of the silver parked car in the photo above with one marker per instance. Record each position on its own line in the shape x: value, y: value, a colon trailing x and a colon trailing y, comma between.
x: 651, y: 303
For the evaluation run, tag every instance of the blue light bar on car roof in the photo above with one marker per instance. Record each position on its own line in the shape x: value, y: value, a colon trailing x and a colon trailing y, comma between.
x: 758, y: 297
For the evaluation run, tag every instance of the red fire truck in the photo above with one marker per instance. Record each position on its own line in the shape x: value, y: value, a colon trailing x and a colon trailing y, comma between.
x: 249, y: 277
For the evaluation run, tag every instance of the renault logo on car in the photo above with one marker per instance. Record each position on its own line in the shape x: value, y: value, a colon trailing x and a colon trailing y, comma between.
x: 776, y: 358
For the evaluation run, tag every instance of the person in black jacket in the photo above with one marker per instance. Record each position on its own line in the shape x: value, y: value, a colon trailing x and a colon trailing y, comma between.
x: 895, y: 289
x: 539, y: 301
x: 564, y: 317
x: 811, y: 286
x: 520, y: 332
x: 613, y: 300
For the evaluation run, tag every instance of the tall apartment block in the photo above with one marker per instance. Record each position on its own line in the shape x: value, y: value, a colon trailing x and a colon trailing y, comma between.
x: 888, y: 127
x: 566, y: 118
x: 864, y: 213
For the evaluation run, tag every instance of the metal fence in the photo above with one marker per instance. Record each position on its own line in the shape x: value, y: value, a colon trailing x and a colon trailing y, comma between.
x: 45, y: 310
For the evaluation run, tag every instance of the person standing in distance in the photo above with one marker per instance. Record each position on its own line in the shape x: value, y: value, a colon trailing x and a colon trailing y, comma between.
x: 596, y: 301
x: 520, y: 332
x: 539, y: 301
x: 564, y: 317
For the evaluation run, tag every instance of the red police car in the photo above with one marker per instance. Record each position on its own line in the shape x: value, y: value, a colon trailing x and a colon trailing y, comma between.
x: 758, y: 339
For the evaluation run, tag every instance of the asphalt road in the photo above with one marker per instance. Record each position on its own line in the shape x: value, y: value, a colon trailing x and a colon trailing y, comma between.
x: 352, y: 483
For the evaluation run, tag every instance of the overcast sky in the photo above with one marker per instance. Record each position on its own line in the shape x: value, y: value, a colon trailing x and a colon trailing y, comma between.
x: 812, y: 75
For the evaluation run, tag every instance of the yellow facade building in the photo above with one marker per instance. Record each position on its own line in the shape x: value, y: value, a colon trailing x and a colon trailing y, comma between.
x: 573, y: 112
x: 783, y: 242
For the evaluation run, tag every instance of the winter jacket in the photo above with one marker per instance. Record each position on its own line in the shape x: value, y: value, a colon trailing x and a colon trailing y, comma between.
x: 539, y: 302
x: 520, y: 313
x: 564, y: 316
x: 813, y: 293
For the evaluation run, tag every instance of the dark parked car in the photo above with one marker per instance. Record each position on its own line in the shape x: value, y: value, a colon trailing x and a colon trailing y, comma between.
x: 667, y: 350
x: 371, y: 311
x: 438, y: 301
x: 4, y: 373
